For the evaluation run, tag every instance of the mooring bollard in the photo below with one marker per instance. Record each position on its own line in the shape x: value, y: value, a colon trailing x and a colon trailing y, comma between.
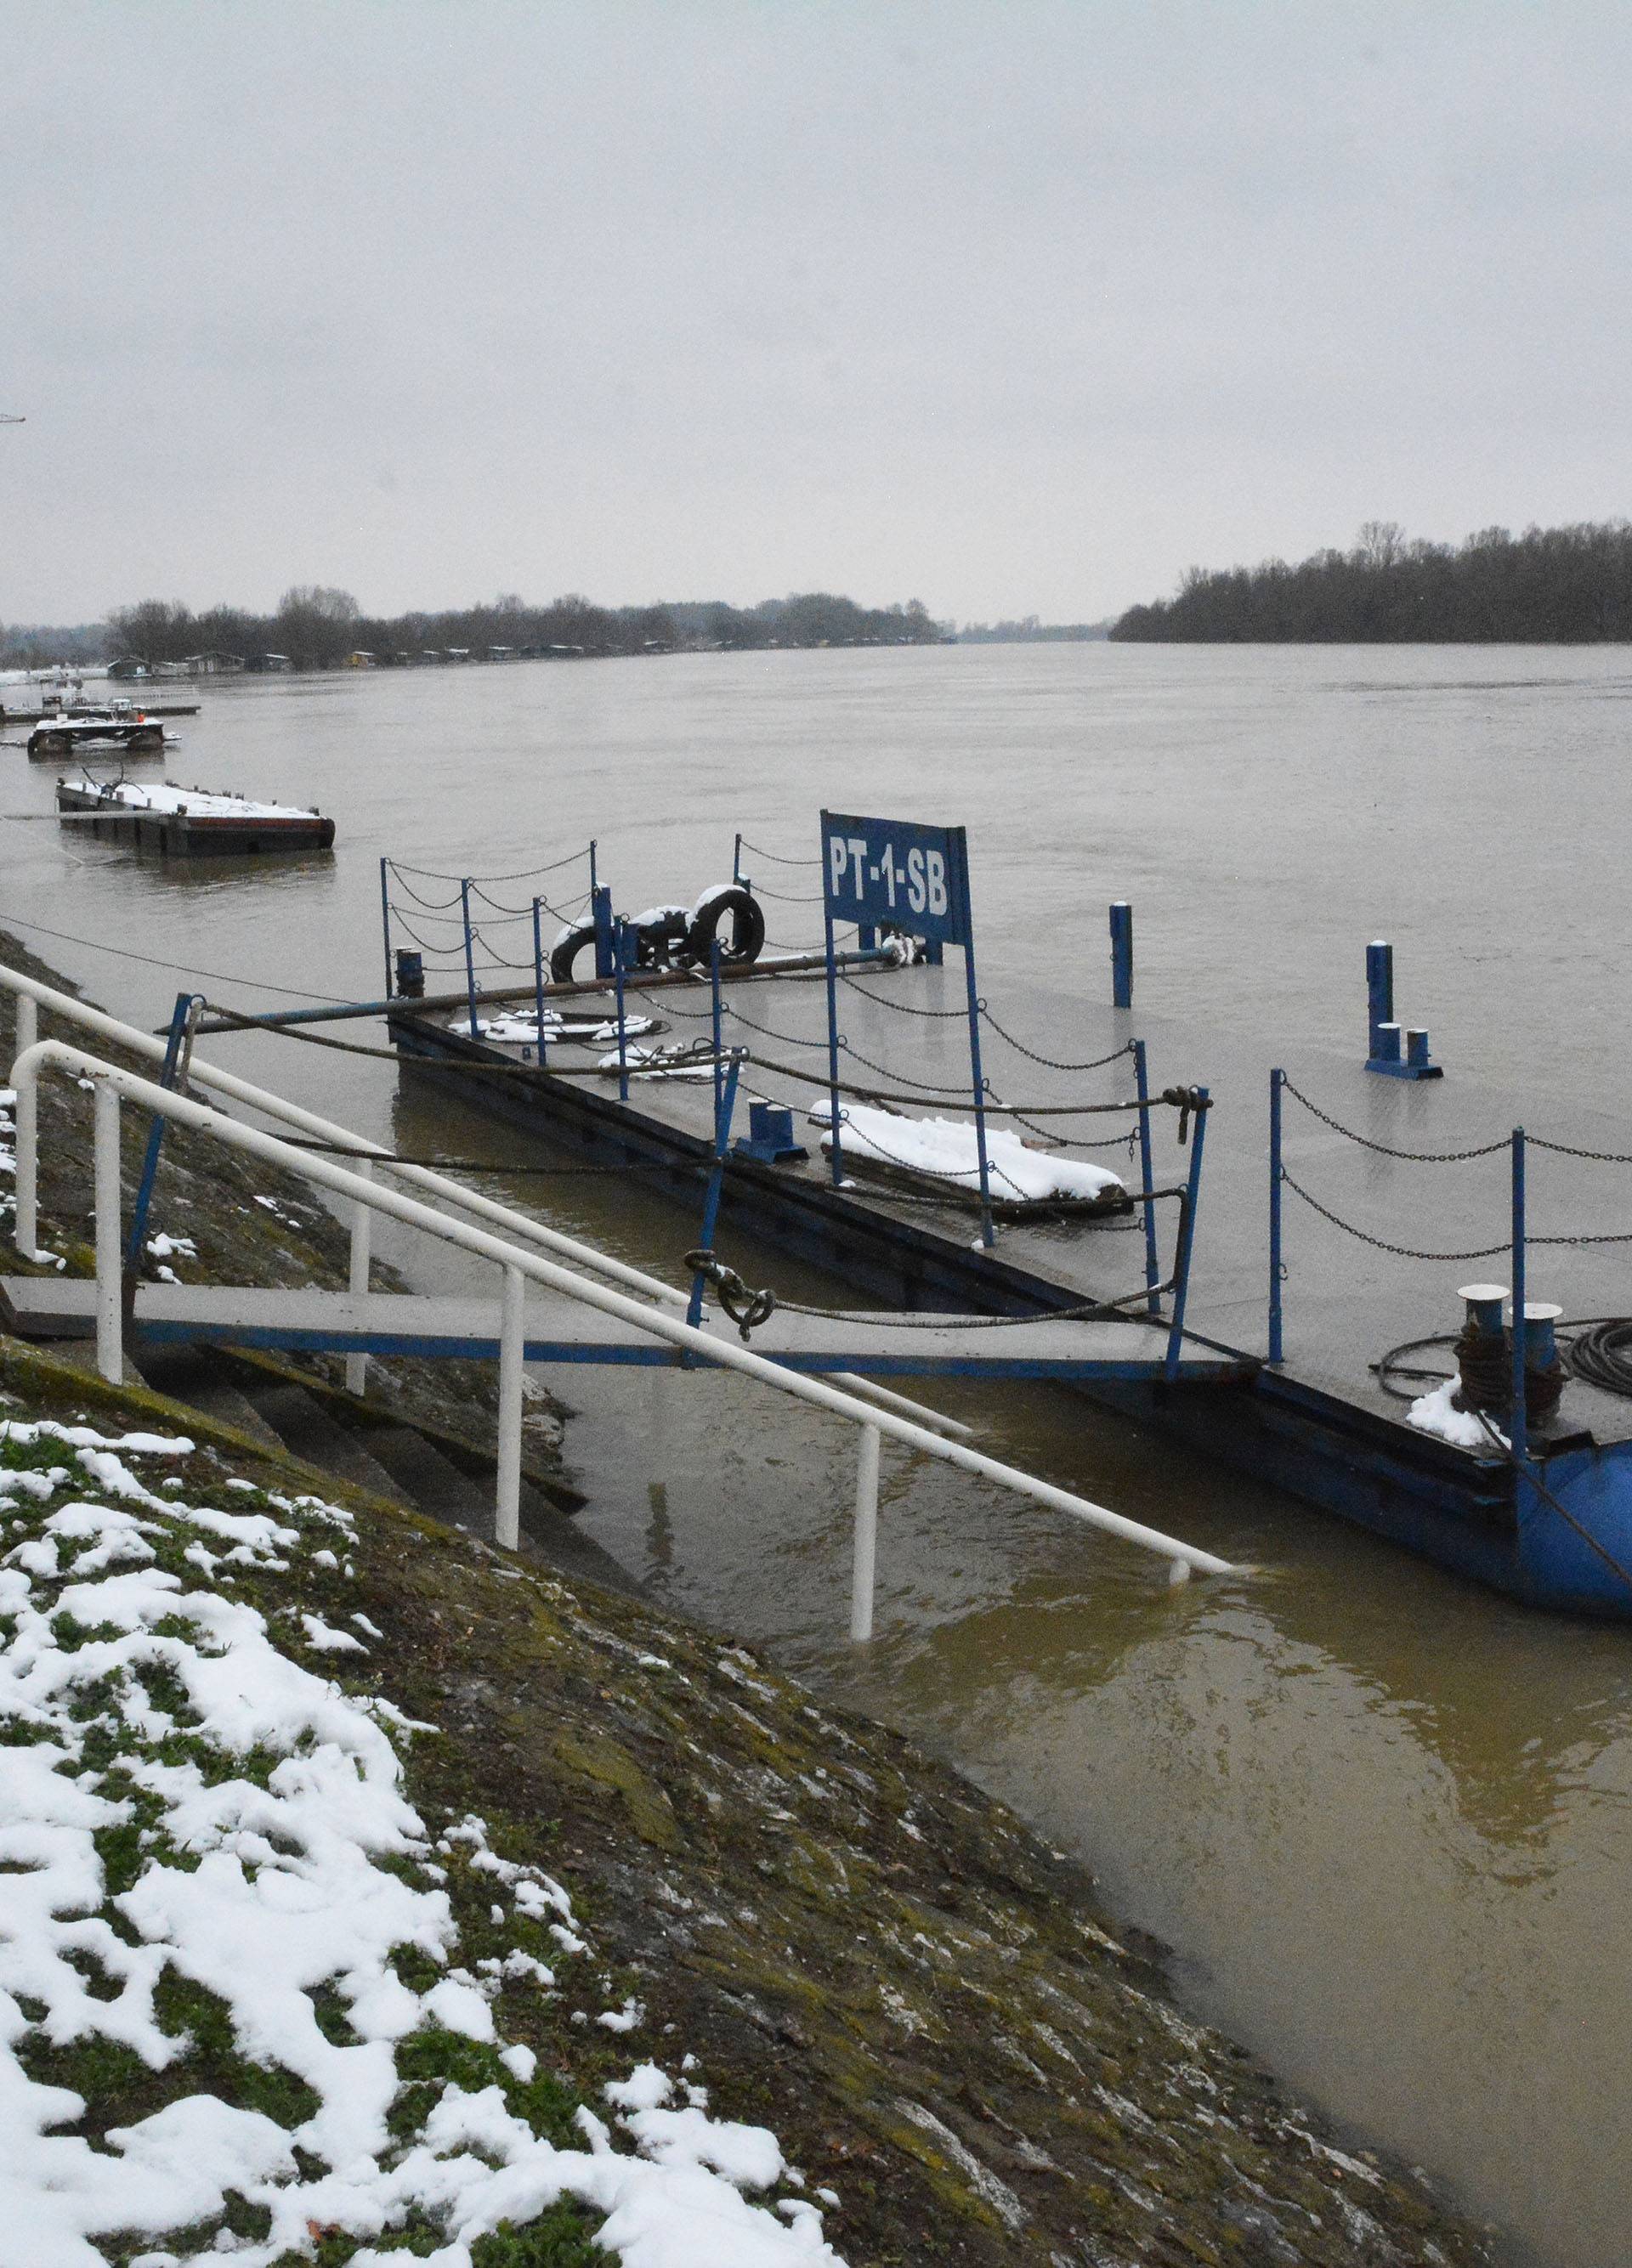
x: 1121, y: 954
x: 862, y: 1573
x: 1385, y: 1054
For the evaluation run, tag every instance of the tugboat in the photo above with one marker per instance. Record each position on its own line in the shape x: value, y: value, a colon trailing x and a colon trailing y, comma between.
x: 191, y: 821
x: 68, y: 732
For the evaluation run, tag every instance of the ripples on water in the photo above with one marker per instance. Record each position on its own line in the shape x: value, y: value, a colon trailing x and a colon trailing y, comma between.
x: 1385, y: 1819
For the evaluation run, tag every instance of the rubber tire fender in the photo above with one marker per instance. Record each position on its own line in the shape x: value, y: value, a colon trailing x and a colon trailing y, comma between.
x: 659, y: 942
x: 563, y: 955
x: 748, y: 927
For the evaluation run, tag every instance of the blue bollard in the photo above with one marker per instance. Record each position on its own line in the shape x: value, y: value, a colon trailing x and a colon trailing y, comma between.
x: 1385, y: 1054
x: 770, y: 1135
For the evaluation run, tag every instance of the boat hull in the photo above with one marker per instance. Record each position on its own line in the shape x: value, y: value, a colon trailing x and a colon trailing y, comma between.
x: 185, y: 835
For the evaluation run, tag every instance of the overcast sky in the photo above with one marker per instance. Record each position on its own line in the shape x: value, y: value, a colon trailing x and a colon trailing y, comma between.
x: 1008, y: 305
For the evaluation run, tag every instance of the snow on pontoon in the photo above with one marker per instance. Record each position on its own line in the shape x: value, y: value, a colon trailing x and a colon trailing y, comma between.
x: 192, y: 821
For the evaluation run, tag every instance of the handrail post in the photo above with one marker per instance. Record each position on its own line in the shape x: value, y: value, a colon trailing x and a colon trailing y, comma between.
x: 1186, y: 1236
x: 538, y: 981
x: 623, y: 1028
x: 1519, y: 1431
x: 357, y: 1278
x: 109, y: 1316
x: 25, y: 1228
x: 1153, y: 1258
x: 864, y: 1565
x: 511, y: 1354
x: 464, y: 907
x: 736, y: 860
x: 1275, y: 1320
x: 385, y: 917
x: 714, y: 973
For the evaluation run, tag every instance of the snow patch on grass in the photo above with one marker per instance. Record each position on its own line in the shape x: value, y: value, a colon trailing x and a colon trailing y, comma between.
x: 214, y: 1891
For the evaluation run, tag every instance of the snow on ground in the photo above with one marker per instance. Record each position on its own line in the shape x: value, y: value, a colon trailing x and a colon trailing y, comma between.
x: 946, y: 1148
x: 185, y: 1807
x: 1437, y: 1413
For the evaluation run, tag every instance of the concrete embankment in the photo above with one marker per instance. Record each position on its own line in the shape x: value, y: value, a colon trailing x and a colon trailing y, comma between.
x: 963, y: 2058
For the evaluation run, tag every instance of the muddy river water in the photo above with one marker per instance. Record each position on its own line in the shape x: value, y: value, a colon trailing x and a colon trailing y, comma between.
x: 1383, y: 1819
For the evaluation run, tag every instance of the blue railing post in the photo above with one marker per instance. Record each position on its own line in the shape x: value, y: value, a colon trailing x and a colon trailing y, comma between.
x: 736, y: 858
x: 833, y: 1035
x: 1121, y: 954
x: 622, y: 1034
x: 716, y: 1181
x: 180, y: 1018
x: 385, y: 918
x: 464, y: 907
x: 713, y: 977
x: 538, y: 978
x: 1379, y: 990
x: 1519, y: 1429
x: 1186, y: 1236
x: 1153, y: 1258
x: 601, y: 914
x: 988, y: 1235
x: 1275, y: 1340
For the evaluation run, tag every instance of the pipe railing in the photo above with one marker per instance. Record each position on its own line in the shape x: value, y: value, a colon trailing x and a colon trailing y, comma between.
x: 31, y: 995
x: 110, y: 1083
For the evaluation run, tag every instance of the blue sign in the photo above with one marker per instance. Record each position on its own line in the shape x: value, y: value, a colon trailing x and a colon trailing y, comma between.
x: 890, y: 873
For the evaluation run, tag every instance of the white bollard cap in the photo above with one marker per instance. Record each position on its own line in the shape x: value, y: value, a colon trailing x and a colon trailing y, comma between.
x: 1482, y: 1292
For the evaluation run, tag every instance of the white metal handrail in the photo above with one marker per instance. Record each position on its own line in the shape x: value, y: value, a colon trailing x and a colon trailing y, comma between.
x: 31, y: 996
x: 110, y: 1082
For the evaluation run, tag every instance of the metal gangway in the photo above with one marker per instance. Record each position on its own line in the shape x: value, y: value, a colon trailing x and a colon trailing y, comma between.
x: 560, y: 1299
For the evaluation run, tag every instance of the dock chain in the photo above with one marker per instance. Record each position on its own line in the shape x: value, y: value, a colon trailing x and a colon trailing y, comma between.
x: 745, y: 1307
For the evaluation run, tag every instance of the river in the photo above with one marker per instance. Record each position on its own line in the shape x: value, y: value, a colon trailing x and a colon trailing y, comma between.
x: 1383, y: 1819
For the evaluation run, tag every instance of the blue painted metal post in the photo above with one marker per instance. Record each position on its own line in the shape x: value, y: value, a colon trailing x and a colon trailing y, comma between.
x: 1380, y: 992
x: 1275, y: 1332
x: 713, y: 976
x: 594, y: 880
x: 716, y: 1181
x: 155, y: 1135
x: 988, y: 1235
x: 1121, y: 954
x: 622, y: 1034
x: 1153, y: 1258
x: 1519, y: 1429
x: 385, y: 917
x: 832, y: 1038
x: 736, y: 858
x: 538, y: 978
x: 601, y: 914
x: 1186, y: 1237
x: 464, y: 907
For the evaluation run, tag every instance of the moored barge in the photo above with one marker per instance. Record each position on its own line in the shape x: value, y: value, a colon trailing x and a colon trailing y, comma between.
x: 180, y: 822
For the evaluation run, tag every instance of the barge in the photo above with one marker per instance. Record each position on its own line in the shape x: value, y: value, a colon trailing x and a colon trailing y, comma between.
x: 182, y: 822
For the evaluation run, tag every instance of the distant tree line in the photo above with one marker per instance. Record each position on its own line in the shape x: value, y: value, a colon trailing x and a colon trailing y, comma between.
x: 1550, y: 585
x: 317, y: 628
x: 1030, y: 631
